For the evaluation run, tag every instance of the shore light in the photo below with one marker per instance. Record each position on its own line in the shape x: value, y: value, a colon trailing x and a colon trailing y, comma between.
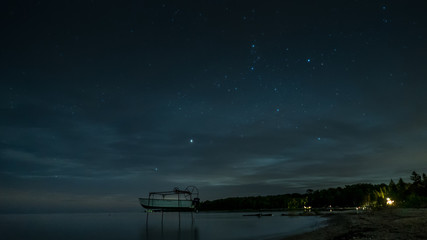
x: 389, y: 201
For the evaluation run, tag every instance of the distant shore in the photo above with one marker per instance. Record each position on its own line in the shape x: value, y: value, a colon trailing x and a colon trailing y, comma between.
x: 385, y: 224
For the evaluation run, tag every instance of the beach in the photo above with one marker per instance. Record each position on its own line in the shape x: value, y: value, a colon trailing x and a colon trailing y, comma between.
x: 383, y: 224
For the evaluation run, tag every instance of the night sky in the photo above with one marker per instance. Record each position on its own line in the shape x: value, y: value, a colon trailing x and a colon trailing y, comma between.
x: 104, y: 101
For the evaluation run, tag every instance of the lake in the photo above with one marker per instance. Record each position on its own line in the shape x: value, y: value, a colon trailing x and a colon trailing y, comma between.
x: 205, y: 226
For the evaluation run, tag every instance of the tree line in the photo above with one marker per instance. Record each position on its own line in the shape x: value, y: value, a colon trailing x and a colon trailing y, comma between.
x: 400, y: 194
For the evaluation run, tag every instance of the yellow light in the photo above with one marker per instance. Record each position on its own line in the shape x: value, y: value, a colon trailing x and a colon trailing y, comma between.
x: 389, y: 201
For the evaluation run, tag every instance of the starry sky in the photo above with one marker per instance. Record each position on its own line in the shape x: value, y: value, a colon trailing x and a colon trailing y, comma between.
x: 104, y: 101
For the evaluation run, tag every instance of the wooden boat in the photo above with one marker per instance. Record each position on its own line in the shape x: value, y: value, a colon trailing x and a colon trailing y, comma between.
x: 175, y: 200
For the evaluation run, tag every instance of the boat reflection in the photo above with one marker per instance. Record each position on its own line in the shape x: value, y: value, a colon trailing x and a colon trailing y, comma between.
x: 169, y: 227
x: 168, y: 233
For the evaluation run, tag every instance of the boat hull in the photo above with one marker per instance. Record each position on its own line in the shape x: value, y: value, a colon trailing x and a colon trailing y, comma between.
x: 167, y: 204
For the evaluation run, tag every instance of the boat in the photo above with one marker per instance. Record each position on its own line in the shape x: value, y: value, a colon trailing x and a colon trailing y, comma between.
x: 175, y: 200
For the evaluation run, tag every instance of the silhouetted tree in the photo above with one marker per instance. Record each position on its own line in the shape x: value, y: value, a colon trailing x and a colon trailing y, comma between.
x: 416, y: 178
x: 392, y: 187
x: 404, y: 194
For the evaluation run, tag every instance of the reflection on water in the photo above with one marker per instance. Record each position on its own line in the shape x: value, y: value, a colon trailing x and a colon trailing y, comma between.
x: 170, y: 226
x: 206, y: 226
x: 210, y: 226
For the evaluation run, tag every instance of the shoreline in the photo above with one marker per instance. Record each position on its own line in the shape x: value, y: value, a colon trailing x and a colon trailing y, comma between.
x: 396, y: 223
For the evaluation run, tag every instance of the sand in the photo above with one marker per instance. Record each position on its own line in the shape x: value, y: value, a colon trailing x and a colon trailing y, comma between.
x: 404, y: 224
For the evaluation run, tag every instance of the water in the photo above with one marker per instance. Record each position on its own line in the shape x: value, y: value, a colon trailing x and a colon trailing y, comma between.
x: 206, y: 226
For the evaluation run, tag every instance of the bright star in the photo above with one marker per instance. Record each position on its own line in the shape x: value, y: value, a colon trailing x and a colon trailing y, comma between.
x: 191, y: 140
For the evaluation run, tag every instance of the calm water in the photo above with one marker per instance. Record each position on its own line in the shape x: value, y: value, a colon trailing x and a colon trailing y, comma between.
x: 206, y: 226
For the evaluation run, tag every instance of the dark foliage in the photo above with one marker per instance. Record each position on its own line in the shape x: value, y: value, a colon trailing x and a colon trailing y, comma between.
x: 358, y: 195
